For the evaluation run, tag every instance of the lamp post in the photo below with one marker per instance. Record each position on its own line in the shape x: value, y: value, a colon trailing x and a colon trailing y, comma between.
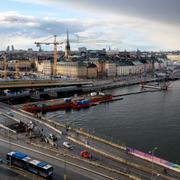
x: 65, y: 174
x: 152, y: 165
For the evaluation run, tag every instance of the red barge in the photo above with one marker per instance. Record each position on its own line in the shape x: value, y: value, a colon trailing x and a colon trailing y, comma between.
x: 68, y: 103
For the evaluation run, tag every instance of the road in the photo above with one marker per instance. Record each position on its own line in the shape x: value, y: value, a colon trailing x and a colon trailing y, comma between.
x: 72, y: 172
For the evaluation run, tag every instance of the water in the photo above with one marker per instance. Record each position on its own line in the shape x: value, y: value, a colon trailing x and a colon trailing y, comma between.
x: 142, y: 121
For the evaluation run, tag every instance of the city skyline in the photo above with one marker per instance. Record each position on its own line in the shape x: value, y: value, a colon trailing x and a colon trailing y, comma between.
x: 120, y: 24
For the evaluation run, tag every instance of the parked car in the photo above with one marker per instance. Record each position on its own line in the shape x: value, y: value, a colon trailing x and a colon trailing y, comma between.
x: 85, y: 154
x: 67, y: 145
x: 52, y: 137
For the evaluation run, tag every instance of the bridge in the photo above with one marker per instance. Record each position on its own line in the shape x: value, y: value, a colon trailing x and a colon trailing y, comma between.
x: 17, y: 84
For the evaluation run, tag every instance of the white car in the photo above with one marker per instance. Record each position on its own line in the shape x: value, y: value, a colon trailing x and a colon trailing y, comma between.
x: 67, y: 145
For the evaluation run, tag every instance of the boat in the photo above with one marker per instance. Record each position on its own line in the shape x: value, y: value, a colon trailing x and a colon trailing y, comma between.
x: 99, y: 97
x: 79, y: 104
x: 68, y: 103
x: 159, y: 86
x: 49, y: 105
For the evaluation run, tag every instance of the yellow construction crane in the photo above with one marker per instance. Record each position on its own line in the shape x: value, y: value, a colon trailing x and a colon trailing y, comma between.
x: 55, y: 43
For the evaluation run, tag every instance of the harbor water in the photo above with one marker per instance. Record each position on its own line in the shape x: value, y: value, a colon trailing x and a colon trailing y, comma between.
x: 142, y: 121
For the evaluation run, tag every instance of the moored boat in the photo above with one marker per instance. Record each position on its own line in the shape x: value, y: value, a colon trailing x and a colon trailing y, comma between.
x: 79, y: 104
x: 67, y: 103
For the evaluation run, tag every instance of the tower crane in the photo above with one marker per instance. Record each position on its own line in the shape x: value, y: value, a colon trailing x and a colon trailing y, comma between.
x: 55, y: 43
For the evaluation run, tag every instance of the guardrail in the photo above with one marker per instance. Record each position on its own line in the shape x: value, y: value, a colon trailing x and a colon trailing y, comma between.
x: 89, y: 162
x: 156, y: 160
x: 121, y: 160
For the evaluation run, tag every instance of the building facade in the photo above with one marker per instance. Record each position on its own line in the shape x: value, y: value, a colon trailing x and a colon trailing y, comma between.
x: 77, y: 70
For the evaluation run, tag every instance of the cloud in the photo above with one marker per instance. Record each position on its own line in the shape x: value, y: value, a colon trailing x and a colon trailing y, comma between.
x: 166, y: 11
x: 121, y: 32
x: 16, y: 26
x: 28, y: 25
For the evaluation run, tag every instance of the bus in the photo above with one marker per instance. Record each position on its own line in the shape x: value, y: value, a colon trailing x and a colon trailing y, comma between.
x: 32, y: 165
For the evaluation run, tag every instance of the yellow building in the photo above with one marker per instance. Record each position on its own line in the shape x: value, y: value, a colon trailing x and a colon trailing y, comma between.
x: 71, y: 69
x: 110, y: 69
x: 92, y: 71
x: 76, y: 70
x: 22, y: 64
x: 173, y: 57
x: 101, y: 69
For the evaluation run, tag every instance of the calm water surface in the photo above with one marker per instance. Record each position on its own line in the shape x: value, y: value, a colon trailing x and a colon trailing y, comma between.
x: 142, y: 121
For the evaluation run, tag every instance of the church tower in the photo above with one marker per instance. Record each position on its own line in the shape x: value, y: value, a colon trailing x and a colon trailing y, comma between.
x: 67, y: 48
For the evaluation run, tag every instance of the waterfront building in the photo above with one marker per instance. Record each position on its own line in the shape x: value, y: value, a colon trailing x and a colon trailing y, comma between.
x: 173, y: 57
x: 92, y: 71
x: 110, y: 68
x: 44, y: 67
x: 100, y: 64
x: 76, y: 69
x: 124, y: 68
x: 39, y: 66
x: 138, y: 67
x: 47, y: 67
x: 22, y: 65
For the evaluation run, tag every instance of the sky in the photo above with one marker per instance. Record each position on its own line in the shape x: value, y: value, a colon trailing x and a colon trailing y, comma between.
x: 152, y: 25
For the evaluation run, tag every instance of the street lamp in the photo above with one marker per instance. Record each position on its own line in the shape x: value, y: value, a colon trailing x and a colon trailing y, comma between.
x: 152, y: 155
x: 65, y: 174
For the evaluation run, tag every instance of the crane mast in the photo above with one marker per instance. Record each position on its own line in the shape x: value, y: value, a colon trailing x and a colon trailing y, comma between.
x: 55, y: 43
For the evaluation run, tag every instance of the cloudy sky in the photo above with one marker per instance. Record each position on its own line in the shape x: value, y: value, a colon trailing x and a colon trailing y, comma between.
x: 96, y: 24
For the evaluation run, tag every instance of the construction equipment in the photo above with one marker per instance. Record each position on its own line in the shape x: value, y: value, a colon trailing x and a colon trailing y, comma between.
x: 55, y: 43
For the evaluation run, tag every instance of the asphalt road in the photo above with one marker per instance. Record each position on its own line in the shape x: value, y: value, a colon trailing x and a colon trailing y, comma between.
x: 9, y: 174
x: 59, y: 167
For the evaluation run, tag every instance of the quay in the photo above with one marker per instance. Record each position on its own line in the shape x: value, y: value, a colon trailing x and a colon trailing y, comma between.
x: 55, y: 87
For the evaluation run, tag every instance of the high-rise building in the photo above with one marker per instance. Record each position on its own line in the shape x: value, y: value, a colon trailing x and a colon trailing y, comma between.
x: 8, y: 49
x: 12, y: 48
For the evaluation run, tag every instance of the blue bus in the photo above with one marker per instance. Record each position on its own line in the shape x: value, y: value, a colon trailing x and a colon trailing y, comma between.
x: 34, y: 166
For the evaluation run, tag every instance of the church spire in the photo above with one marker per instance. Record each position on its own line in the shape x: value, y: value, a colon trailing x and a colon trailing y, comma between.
x: 67, y: 48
